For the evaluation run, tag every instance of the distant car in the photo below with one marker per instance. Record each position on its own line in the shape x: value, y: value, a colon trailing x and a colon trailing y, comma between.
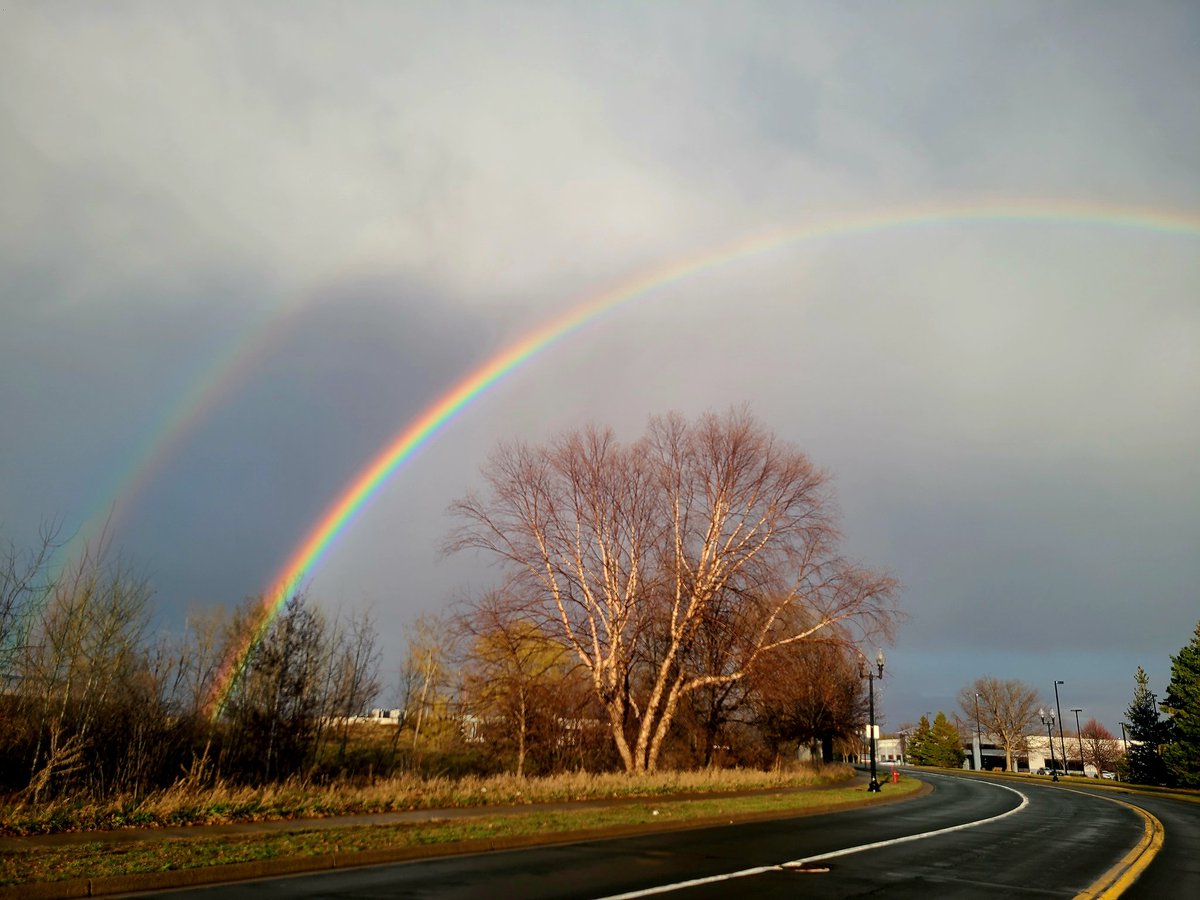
x: 1111, y: 776
x: 1050, y: 772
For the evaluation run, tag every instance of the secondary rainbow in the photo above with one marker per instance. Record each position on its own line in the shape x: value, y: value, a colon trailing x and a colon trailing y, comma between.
x: 419, y: 431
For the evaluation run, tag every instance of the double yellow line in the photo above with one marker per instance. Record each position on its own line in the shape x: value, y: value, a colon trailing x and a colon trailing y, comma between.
x: 1117, y: 880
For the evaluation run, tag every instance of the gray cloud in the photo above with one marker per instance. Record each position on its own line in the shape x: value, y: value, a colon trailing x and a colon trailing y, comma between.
x: 387, y: 195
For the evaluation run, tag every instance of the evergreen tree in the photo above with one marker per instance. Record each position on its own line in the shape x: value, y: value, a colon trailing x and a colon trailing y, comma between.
x: 945, y: 744
x: 1145, y: 734
x: 918, y: 743
x: 1182, y: 705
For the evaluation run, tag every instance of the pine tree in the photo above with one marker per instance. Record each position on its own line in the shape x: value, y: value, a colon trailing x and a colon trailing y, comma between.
x: 1145, y: 734
x: 918, y: 743
x: 945, y: 745
x: 1182, y: 705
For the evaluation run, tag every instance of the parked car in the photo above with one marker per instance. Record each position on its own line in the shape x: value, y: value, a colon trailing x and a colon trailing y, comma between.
x: 1111, y: 776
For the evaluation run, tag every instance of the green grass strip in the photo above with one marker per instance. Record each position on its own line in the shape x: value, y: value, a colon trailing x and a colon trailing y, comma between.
x: 155, y: 854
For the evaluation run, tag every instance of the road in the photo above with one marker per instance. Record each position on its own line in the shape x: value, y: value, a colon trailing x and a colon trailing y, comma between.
x: 1033, y: 840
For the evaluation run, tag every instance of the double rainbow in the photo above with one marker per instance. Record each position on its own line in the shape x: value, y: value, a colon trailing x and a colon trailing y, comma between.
x: 474, y: 384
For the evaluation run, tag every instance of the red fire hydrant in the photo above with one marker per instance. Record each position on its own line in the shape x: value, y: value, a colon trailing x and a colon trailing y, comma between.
x: 895, y: 776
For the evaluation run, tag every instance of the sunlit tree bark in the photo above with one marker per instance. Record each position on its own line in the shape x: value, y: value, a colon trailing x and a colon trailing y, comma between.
x: 697, y: 524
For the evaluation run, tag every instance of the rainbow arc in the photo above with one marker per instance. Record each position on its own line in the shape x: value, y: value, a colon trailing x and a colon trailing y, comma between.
x: 436, y: 417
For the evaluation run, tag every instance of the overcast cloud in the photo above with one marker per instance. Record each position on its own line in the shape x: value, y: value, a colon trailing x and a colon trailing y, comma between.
x: 351, y: 205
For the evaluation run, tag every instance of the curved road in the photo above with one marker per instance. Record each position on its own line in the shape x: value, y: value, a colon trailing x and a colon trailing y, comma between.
x: 1040, y: 840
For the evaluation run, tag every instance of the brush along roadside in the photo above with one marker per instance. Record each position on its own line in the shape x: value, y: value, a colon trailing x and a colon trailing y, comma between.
x: 101, y: 865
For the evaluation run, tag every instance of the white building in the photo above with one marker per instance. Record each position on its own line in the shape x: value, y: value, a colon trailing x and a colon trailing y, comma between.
x: 1036, y: 754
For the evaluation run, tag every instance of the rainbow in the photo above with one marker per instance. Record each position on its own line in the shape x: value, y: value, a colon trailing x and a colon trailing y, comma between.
x: 476, y: 383
x: 220, y: 378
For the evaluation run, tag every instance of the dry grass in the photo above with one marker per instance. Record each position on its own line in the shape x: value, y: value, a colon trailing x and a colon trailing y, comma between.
x: 100, y: 858
x: 185, y: 804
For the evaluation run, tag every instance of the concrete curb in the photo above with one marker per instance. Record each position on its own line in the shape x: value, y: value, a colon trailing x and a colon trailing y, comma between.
x: 273, y: 868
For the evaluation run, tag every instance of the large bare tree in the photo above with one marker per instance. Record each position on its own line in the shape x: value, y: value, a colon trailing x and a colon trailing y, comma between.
x: 1007, y: 710
x: 1100, y: 747
x: 630, y: 552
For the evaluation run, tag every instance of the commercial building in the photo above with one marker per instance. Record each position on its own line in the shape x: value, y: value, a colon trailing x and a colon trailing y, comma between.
x: 1036, y: 754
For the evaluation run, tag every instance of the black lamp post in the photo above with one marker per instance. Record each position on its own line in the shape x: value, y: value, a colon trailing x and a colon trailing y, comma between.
x: 1079, y: 734
x: 864, y: 669
x: 1048, y: 721
x: 1062, y: 741
x: 1125, y: 741
x: 978, y: 735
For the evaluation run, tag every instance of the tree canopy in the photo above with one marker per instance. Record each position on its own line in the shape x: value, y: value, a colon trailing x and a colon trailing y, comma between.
x: 1006, y: 710
x: 635, y: 555
x: 936, y: 745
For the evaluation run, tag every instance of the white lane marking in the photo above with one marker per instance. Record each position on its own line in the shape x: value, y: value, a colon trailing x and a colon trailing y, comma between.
x: 918, y: 837
x: 795, y: 863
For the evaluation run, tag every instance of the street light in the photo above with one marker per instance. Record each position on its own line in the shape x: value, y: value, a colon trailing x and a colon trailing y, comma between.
x: 864, y: 669
x: 978, y: 736
x: 1125, y: 741
x: 1062, y: 741
x: 1048, y: 721
x: 1079, y: 734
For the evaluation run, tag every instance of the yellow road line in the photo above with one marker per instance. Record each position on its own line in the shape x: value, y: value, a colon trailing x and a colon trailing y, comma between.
x: 1117, y: 880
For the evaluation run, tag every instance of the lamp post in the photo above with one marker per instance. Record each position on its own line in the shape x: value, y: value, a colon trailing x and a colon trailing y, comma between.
x: 1125, y: 741
x: 1062, y: 741
x: 864, y: 669
x: 1048, y: 721
x: 978, y: 736
x: 1079, y: 734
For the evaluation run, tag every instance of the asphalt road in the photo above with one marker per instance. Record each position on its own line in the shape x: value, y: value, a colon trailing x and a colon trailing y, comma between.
x: 1042, y: 841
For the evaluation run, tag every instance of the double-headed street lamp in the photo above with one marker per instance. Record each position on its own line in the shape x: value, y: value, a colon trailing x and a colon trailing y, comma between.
x: 1048, y: 720
x: 864, y: 669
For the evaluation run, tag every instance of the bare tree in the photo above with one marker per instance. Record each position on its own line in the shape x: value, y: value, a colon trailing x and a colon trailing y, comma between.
x: 1007, y: 710
x: 81, y: 651
x: 511, y: 672
x: 354, y: 673
x: 1100, y: 747
x: 275, y: 708
x: 423, y: 688
x: 810, y: 694
x: 25, y: 585
x: 618, y: 544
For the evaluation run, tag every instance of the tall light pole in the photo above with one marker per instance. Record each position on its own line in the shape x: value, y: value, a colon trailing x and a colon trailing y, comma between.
x: 864, y: 669
x: 1125, y: 741
x: 1048, y: 721
x: 1079, y: 734
x: 1062, y: 741
x: 978, y: 736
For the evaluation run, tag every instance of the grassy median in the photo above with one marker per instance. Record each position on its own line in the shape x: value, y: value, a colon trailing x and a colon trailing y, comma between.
x: 156, y: 854
x: 186, y: 804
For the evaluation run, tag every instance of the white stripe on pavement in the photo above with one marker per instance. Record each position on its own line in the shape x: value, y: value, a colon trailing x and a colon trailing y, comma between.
x: 797, y: 863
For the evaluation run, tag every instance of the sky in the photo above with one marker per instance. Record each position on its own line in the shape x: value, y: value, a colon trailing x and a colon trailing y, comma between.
x: 243, y: 245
